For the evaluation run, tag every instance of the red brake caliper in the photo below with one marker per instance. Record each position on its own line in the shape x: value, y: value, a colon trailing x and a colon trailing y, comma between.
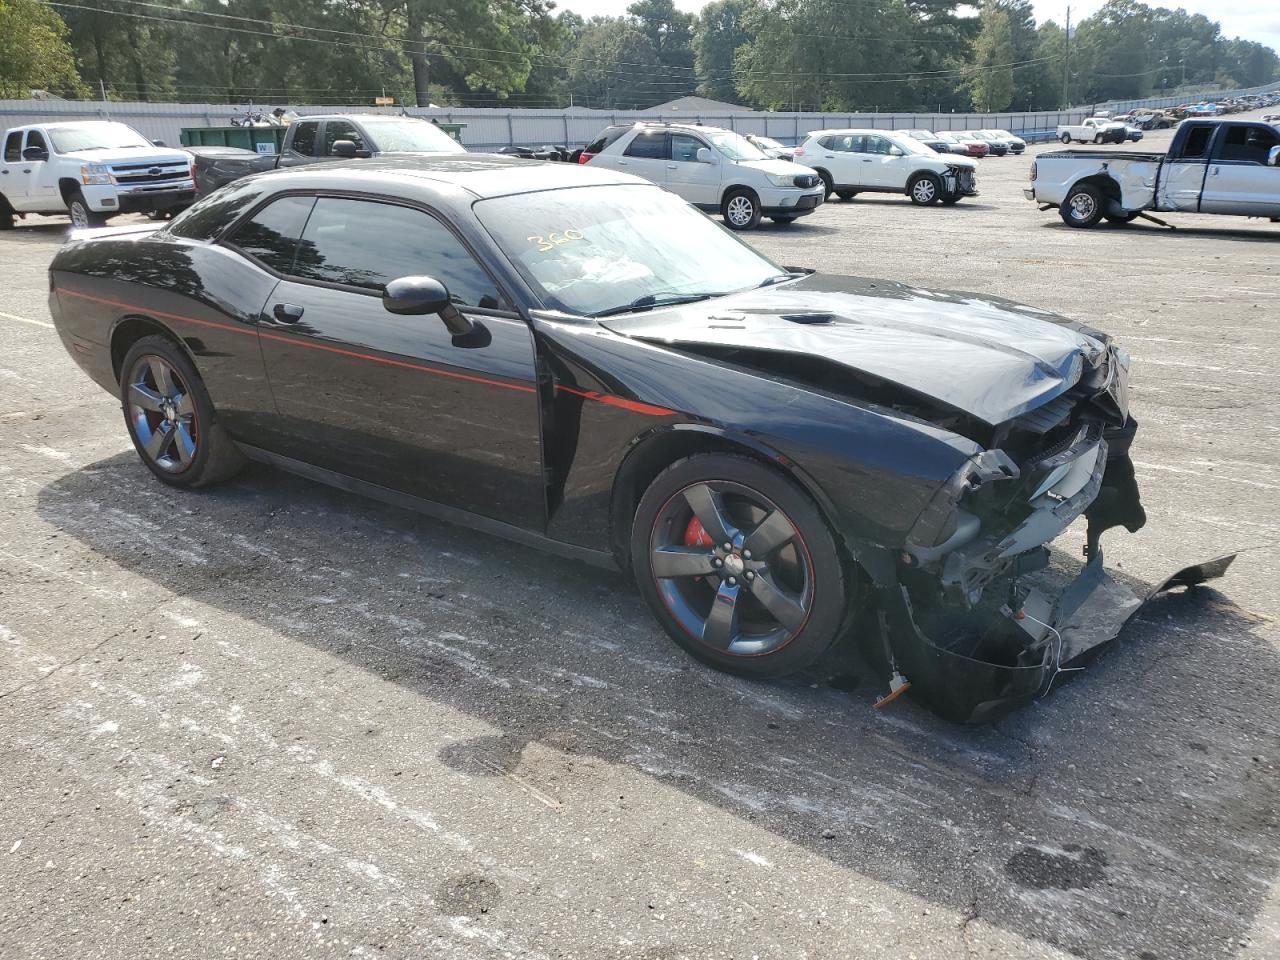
x: 695, y: 535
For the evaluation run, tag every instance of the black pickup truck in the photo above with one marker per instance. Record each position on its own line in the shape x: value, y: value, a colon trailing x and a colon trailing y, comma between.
x: 321, y: 138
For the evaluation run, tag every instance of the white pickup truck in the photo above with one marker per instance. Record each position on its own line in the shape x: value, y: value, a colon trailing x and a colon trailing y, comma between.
x: 1213, y: 166
x: 1092, y: 130
x: 91, y: 169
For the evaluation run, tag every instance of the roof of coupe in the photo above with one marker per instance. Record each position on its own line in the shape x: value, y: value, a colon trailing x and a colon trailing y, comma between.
x: 480, y: 175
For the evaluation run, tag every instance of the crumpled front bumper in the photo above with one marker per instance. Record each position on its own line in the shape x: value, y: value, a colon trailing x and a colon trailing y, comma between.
x: 985, y: 678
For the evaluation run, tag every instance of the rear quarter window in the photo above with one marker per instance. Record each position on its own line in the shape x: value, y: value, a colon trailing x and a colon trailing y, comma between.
x: 209, y: 216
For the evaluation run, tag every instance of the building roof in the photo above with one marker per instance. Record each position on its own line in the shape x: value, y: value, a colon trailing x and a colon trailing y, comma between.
x: 698, y: 105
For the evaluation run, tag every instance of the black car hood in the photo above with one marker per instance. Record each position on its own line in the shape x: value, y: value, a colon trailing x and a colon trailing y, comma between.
x: 991, y: 358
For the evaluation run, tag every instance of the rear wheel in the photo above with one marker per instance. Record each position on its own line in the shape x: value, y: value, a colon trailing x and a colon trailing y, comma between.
x: 950, y: 201
x: 738, y: 565
x: 81, y: 214
x: 1121, y: 217
x: 741, y: 210
x: 783, y: 221
x: 846, y: 195
x: 1065, y: 138
x: 170, y: 418
x: 1083, y: 206
x: 924, y: 189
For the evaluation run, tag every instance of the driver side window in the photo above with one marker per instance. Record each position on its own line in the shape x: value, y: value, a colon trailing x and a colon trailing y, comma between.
x: 36, y: 139
x: 335, y: 130
x: 684, y: 148
x: 877, y: 145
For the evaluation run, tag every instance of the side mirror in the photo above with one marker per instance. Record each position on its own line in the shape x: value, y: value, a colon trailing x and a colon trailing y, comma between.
x: 346, y: 149
x: 35, y: 153
x: 1273, y: 157
x: 705, y: 156
x: 157, y: 143
x: 897, y: 152
x: 415, y: 296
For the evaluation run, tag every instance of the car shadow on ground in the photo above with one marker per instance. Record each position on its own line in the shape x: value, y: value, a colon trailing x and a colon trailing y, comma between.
x: 1134, y: 813
x: 905, y: 202
x: 1139, y: 228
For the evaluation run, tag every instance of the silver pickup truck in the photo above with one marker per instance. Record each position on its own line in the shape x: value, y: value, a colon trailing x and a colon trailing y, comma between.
x: 1229, y: 167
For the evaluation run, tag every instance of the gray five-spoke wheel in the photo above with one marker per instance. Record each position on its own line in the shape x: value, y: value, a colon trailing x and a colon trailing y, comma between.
x: 79, y: 214
x: 732, y: 568
x: 162, y: 412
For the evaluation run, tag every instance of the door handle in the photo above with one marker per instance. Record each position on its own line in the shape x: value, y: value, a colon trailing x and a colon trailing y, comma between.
x: 866, y: 159
x: 829, y: 156
x: 287, y: 312
x: 1215, y: 171
x: 672, y: 166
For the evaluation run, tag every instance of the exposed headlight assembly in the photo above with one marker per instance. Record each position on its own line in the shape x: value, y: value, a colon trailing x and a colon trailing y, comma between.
x: 95, y: 173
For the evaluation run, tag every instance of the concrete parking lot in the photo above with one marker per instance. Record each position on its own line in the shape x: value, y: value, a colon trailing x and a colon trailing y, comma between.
x: 274, y: 720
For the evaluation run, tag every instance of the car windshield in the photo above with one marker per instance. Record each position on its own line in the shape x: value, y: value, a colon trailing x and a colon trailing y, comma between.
x: 948, y: 137
x: 589, y: 250
x: 406, y: 135
x: 908, y: 145
x: 1001, y: 133
x: 95, y: 136
x: 767, y: 143
x: 733, y: 145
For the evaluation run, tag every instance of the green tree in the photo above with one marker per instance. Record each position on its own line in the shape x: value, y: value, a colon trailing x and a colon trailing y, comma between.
x: 615, y: 66
x: 34, y: 53
x: 721, y: 31
x: 991, y: 82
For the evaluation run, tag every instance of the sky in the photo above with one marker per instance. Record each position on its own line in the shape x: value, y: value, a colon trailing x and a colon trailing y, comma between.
x: 1252, y: 19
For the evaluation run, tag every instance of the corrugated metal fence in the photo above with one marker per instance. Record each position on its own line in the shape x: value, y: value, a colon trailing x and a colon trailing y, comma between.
x: 488, y: 129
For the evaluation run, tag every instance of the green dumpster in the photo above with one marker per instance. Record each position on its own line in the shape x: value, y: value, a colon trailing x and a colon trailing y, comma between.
x: 267, y: 140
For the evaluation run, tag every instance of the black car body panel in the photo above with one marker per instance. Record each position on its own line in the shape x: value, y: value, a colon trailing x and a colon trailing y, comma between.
x: 906, y: 414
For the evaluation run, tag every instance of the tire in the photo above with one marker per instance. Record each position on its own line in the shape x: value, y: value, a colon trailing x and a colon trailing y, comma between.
x: 828, y: 184
x: 846, y: 195
x: 1083, y: 206
x: 1097, y: 138
x: 741, y: 210
x: 1121, y: 217
x: 7, y: 219
x: 162, y: 395
x: 81, y: 215
x: 724, y: 624
x: 924, y: 189
x: 950, y: 201
x: 1066, y: 138
x: 783, y: 221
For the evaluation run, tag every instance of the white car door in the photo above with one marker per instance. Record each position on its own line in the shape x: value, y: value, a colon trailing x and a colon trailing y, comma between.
x: 42, y: 181
x: 690, y: 178
x: 881, y: 168
x: 646, y: 155
x: 1239, y: 181
x: 841, y: 155
x: 13, y: 182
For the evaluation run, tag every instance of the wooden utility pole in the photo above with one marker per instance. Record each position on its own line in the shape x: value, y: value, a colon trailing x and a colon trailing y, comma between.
x: 1066, y: 61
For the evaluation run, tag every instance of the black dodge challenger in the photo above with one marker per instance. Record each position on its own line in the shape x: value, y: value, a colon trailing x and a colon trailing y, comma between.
x: 578, y: 360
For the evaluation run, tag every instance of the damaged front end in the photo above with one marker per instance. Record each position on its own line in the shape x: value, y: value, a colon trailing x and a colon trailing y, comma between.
x: 966, y: 619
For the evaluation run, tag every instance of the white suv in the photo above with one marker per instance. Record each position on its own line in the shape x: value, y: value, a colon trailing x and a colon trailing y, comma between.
x: 714, y: 169
x: 856, y: 161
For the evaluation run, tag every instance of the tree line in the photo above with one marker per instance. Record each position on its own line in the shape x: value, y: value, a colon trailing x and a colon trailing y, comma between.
x: 836, y: 55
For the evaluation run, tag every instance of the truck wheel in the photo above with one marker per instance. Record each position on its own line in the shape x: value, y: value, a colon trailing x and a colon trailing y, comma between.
x: 741, y: 210
x: 81, y: 215
x: 1083, y: 207
x: 1066, y: 138
x: 924, y: 189
x: 1127, y: 217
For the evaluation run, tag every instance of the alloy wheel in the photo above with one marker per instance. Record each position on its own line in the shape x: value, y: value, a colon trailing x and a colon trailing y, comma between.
x: 731, y: 568
x: 740, y: 210
x: 162, y: 414
x: 79, y: 215
x: 924, y: 190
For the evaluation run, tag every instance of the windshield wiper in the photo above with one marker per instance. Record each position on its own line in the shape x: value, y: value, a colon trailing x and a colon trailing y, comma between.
x: 650, y: 300
x: 770, y: 281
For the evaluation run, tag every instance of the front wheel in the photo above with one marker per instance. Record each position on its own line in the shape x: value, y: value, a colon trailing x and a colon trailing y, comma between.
x: 846, y: 195
x: 738, y: 565
x: 828, y: 185
x: 81, y: 214
x: 170, y: 418
x: 1127, y: 217
x: 1083, y: 207
x: 950, y: 201
x: 924, y: 189
x: 741, y: 210
x: 1097, y: 138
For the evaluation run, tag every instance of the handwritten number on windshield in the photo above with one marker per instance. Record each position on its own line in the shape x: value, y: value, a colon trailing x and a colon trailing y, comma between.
x: 553, y: 240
